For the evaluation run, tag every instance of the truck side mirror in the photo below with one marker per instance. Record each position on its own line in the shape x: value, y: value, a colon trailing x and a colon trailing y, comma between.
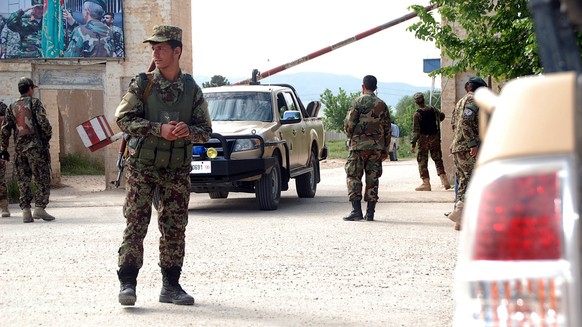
x: 291, y: 117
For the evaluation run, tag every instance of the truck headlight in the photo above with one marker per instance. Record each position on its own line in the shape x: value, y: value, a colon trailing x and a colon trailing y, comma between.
x: 245, y: 145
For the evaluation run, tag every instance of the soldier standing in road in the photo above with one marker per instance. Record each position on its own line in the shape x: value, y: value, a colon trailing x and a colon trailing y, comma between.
x: 367, y: 126
x: 26, y: 118
x: 163, y: 112
x: 4, y: 212
x: 426, y: 132
x: 117, y: 34
x: 93, y: 39
x: 466, y: 143
x: 29, y: 28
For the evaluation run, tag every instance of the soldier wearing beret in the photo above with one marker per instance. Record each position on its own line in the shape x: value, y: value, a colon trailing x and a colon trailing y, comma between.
x: 426, y: 132
x: 93, y: 38
x: 26, y: 119
x: 466, y: 141
x: 164, y: 113
x: 29, y: 27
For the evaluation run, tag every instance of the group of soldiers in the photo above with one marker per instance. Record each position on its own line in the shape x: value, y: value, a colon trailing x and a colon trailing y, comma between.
x: 97, y: 36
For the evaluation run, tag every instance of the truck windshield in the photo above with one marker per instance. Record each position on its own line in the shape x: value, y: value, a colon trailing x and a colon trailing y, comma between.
x: 240, y: 106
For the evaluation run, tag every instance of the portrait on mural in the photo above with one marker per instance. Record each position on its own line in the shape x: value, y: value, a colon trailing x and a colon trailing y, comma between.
x: 61, y: 29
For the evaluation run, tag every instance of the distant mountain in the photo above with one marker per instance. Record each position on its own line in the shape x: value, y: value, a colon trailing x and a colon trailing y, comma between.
x: 311, y: 85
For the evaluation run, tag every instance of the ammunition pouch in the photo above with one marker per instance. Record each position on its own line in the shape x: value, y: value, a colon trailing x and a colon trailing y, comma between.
x: 161, y: 153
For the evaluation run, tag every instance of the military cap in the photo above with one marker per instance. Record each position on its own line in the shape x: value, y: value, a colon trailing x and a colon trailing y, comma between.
x: 418, y: 97
x: 37, y: 3
x: 165, y: 33
x: 25, y: 81
x: 477, y: 80
x: 99, y: 2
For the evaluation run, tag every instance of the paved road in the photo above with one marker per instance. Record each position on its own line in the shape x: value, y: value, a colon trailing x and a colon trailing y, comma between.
x: 298, y: 266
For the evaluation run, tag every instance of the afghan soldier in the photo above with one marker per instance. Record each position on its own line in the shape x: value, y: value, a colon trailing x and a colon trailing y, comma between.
x: 93, y: 39
x: 367, y: 126
x: 26, y: 118
x: 3, y: 188
x: 466, y: 143
x: 10, y: 42
x: 427, y: 133
x: 29, y: 28
x: 164, y: 113
x: 118, y: 45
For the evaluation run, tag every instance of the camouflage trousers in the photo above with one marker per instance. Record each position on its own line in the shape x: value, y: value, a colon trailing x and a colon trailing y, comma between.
x: 429, y: 144
x: 464, y: 163
x: 358, y: 163
x: 32, y: 166
x: 174, y: 197
x: 3, y: 187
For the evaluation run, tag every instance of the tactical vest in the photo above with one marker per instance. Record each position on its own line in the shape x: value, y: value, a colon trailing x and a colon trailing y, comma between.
x: 428, y: 122
x: 158, y: 151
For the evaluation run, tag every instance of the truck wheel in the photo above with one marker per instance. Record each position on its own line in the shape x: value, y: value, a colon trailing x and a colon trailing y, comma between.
x: 306, y: 184
x: 156, y: 198
x: 218, y: 195
x: 268, y: 188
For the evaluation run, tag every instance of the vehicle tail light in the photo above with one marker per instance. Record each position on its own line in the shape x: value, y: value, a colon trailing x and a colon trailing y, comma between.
x: 516, y: 263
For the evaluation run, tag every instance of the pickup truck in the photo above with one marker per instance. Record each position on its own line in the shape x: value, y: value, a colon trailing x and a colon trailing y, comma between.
x: 520, y: 249
x: 262, y: 138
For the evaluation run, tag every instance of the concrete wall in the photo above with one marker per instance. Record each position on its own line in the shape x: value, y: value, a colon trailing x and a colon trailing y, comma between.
x: 73, y: 91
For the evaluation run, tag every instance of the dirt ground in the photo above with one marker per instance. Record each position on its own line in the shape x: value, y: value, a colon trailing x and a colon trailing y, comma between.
x: 73, y: 185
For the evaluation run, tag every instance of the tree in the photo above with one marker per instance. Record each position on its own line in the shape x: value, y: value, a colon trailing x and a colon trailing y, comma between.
x: 499, y: 39
x: 216, y: 80
x: 336, y: 108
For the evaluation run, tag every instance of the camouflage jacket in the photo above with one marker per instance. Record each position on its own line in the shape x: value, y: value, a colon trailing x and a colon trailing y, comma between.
x: 30, y: 33
x: 131, y: 112
x: 118, y: 41
x: 93, y: 39
x: 417, y: 122
x: 42, y: 128
x: 465, y: 124
x: 368, y: 124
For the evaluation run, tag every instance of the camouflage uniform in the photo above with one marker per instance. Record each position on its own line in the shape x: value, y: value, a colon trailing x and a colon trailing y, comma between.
x: 26, y: 118
x: 426, y: 132
x: 30, y: 31
x: 3, y: 187
x: 118, y: 45
x: 93, y: 39
x: 10, y: 41
x: 465, y: 137
x: 368, y: 126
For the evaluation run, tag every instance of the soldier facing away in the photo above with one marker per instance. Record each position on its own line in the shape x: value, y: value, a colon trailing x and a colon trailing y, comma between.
x: 29, y: 28
x: 466, y: 142
x: 426, y: 132
x: 164, y: 113
x: 368, y: 127
x: 26, y: 118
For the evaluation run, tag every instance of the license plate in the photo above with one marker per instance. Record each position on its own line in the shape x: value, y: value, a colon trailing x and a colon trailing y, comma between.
x: 201, y: 167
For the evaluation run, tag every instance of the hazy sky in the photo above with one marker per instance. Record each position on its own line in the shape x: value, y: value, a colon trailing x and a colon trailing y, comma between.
x: 231, y: 37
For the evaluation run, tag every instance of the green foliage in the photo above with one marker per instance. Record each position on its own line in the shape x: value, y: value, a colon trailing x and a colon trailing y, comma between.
x: 216, y: 80
x: 336, y: 108
x: 336, y: 149
x: 78, y: 164
x: 13, y: 192
x: 499, y: 40
x: 405, y: 109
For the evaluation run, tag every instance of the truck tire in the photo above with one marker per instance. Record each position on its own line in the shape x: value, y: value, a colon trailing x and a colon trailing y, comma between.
x: 306, y: 184
x: 218, y: 195
x: 268, y: 188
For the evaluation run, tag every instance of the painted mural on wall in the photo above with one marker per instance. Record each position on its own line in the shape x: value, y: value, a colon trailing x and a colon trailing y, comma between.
x: 61, y: 29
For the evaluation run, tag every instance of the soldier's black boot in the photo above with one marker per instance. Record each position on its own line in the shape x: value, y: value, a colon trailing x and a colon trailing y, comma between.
x: 356, y: 213
x: 172, y: 292
x: 370, y: 211
x: 128, y: 282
